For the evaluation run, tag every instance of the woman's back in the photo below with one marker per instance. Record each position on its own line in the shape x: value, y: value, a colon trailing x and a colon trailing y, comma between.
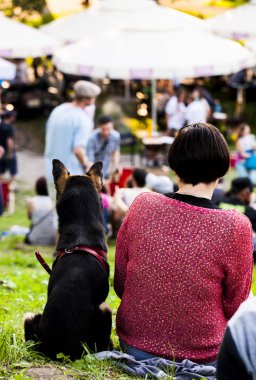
x: 179, y: 287
x: 42, y: 216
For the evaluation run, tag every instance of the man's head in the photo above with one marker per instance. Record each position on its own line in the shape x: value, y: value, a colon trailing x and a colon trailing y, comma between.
x: 8, y: 117
x: 86, y: 92
x: 41, y: 186
x: 139, y: 177
x: 242, y: 189
x: 197, y: 93
x: 106, y: 125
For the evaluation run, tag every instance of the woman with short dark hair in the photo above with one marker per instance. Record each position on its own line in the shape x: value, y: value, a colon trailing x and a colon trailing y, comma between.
x: 183, y: 266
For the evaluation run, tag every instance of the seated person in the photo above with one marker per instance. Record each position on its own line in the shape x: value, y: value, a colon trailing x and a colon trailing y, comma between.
x: 236, y: 359
x: 218, y: 193
x: 182, y: 266
x: 41, y: 213
x: 124, y: 197
x: 239, y: 198
x: 159, y: 183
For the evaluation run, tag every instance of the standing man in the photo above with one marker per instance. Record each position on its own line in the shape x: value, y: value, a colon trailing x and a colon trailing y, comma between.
x: 198, y: 109
x: 104, y: 145
x: 8, y: 161
x: 68, y: 129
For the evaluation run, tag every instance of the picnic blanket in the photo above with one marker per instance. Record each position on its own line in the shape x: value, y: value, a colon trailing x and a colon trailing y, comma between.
x: 159, y: 368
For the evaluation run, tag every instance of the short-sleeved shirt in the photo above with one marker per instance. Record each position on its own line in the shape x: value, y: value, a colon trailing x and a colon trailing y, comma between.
x: 68, y: 127
x: 6, y: 132
x: 197, y: 111
x: 99, y: 149
x: 176, y: 112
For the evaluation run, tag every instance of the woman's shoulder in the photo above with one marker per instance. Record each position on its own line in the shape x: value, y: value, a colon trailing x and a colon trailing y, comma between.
x: 149, y: 196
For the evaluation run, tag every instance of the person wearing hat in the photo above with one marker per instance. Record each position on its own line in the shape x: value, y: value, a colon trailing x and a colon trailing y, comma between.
x: 68, y: 129
x: 8, y: 161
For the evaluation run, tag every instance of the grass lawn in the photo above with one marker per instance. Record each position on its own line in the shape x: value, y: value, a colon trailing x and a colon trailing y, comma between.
x: 23, y: 285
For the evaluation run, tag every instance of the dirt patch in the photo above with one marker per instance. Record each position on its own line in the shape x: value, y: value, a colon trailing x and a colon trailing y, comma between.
x: 47, y: 373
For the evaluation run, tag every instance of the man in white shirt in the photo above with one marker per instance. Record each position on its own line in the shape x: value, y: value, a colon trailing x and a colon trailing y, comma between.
x: 198, y: 111
x: 175, y: 113
x: 68, y: 129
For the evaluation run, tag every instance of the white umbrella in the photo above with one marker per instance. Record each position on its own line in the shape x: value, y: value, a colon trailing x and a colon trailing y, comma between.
x: 114, y: 14
x: 7, y: 70
x: 237, y: 23
x: 20, y: 41
x: 154, y: 55
x: 251, y: 44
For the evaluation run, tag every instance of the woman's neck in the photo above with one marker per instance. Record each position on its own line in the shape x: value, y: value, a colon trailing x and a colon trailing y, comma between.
x: 201, y: 190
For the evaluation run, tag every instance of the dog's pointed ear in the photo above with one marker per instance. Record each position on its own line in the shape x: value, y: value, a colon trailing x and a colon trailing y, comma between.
x: 60, y: 176
x: 96, y: 175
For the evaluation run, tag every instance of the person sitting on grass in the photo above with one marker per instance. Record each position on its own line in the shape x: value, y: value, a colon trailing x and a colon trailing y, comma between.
x: 236, y: 358
x: 41, y: 213
x: 239, y: 197
x: 182, y: 266
x: 124, y: 197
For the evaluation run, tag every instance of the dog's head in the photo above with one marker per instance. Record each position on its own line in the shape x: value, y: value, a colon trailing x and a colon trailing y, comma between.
x: 62, y: 177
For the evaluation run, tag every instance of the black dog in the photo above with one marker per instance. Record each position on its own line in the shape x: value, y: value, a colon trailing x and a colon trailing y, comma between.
x: 75, y: 314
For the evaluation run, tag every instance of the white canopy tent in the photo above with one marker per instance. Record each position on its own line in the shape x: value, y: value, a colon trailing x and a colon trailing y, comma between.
x: 21, y: 41
x: 176, y: 54
x: 154, y: 55
x: 238, y: 23
x: 251, y: 44
x: 114, y: 14
x: 7, y: 70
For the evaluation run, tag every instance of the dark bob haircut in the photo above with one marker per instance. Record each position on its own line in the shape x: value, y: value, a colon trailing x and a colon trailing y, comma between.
x: 199, y: 154
x: 41, y: 186
x: 105, y: 120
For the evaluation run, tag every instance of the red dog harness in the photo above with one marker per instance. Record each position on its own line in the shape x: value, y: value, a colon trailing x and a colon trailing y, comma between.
x: 98, y: 253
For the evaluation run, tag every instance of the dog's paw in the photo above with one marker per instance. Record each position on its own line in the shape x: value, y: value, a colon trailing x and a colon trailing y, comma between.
x: 105, y: 308
x: 28, y: 316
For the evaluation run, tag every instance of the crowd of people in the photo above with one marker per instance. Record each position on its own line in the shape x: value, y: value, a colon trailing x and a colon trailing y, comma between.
x: 187, y: 108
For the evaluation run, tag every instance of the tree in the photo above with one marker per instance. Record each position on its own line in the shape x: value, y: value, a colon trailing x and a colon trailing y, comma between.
x: 30, y: 6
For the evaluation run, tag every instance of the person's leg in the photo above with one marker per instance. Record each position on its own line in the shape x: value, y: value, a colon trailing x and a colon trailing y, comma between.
x: 135, y: 352
x: 241, y: 169
x: 252, y: 176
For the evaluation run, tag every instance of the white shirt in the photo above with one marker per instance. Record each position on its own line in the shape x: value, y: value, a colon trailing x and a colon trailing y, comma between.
x: 197, y: 111
x: 247, y: 142
x: 129, y: 195
x: 68, y: 127
x: 176, y: 112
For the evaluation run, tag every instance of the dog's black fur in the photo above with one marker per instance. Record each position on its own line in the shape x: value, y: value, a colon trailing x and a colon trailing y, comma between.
x: 78, y: 283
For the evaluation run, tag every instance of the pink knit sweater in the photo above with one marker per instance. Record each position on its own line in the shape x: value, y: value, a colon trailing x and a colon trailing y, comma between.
x: 181, y: 272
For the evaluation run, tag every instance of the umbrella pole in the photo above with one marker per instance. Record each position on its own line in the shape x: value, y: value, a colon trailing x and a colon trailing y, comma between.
x: 153, y: 105
x: 127, y: 92
x: 240, y: 101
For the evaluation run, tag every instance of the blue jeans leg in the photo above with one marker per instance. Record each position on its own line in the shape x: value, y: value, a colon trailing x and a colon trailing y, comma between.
x: 241, y: 169
x: 135, y: 352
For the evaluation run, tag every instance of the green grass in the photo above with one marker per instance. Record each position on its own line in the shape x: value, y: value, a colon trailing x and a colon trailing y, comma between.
x: 23, y: 286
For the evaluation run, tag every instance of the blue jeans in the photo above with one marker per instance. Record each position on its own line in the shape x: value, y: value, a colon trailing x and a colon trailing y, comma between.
x: 142, y: 355
x: 138, y: 354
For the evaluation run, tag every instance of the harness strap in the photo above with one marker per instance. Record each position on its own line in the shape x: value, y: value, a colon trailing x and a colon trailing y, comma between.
x: 98, y: 253
x: 43, y: 263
